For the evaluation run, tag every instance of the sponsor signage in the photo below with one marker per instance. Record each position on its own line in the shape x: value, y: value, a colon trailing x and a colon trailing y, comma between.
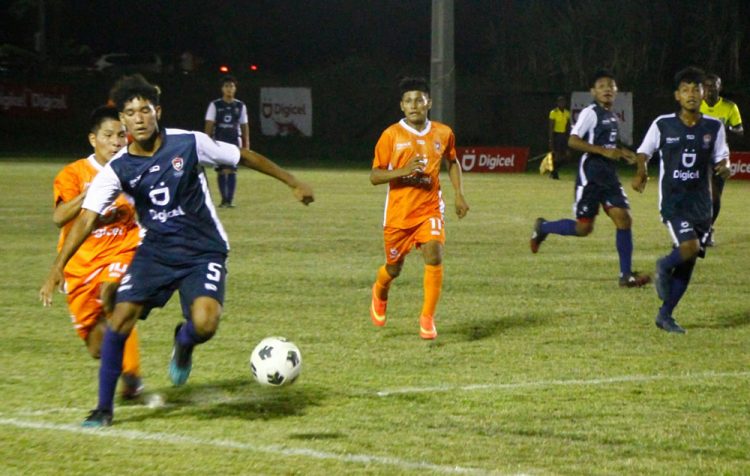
x: 740, y: 165
x: 622, y: 108
x: 493, y: 159
x: 286, y: 112
x: 34, y: 100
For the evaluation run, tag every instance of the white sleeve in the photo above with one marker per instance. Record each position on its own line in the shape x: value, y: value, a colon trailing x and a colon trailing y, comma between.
x: 721, y: 150
x: 212, y: 153
x: 243, y: 115
x: 103, y: 190
x: 651, y: 142
x: 586, y: 122
x: 211, y: 112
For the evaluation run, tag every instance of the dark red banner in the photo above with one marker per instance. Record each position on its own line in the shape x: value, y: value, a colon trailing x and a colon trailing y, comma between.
x: 493, y: 159
x: 34, y: 100
x: 740, y: 165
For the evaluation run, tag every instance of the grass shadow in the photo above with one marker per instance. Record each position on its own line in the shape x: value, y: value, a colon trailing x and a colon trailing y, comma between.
x: 726, y: 322
x: 482, y: 329
x: 233, y: 399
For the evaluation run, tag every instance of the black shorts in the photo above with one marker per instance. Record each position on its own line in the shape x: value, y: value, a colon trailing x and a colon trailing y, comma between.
x: 591, y: 195
x: 682, y: 230
x: 559, y: 143
x: 151, y: 282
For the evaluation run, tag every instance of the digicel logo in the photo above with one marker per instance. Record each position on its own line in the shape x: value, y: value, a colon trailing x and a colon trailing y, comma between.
x: 487, y: 161
x: 739, y: 167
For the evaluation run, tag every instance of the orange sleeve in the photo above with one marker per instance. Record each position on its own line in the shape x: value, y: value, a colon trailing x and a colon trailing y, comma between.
x: 383, y: 151
x: 67, y: 185
x: 450, y: 147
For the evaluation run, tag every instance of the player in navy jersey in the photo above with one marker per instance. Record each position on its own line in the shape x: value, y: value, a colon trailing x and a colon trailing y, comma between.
x: 226, y: 121
x: 691, y: 148
x: 595, y: 133
x: 185, y: 247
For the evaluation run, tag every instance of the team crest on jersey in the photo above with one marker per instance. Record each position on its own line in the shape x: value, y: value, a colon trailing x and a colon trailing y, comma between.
x: 437, y: 146
x: 707, y: 141
x: 177, y: 163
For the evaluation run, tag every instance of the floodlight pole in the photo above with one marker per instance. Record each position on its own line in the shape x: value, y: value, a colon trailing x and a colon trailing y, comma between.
x: 442, y: 66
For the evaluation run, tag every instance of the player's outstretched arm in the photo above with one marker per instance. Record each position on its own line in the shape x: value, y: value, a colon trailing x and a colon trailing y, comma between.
x: 456, y: 177
x: 640, y: 179
x: 251, y: 159
x: 81, y: 229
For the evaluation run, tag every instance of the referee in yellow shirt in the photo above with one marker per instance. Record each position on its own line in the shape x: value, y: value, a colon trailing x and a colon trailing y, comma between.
x: 558, y: 132
x: 728, y: 113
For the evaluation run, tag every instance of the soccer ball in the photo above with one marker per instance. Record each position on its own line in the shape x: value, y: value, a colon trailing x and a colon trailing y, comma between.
x: 276, y: 361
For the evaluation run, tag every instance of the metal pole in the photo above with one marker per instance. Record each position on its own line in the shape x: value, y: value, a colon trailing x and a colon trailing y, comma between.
x: 442, y: 66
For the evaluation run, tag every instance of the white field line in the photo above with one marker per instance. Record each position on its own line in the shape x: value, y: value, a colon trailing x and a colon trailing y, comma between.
x: 275, y: 450
x: 553, y: 383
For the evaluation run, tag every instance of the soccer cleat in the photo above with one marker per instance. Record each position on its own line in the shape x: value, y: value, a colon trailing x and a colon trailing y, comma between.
x: 537, y: 237
x: 132, y: 387
x: 98, y: 419
x: 182, y: 361
x: 634, y: 280
x: 668, y: 324
x: 662, y: 279
x: 377, y: 309
x: 427, y: 329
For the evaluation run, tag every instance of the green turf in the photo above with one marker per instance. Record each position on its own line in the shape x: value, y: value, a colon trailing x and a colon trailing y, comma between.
x: 543, y: 365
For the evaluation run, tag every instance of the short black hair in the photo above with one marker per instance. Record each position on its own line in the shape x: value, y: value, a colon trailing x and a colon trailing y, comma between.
x: 228, y: 79
x: 713, y: 76
x: 101, y: 114
x: 411, y: 83
x: 602, y: 73
x: 131, y: 87
x: 689, y: 75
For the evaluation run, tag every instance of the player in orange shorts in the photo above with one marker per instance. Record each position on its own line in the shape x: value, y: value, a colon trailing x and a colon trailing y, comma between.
x: 93, y: 274
x: 408, y: 157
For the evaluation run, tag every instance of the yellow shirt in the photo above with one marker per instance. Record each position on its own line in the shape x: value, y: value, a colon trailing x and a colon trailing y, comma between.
x: 725, y: 111
x: 561, y: 118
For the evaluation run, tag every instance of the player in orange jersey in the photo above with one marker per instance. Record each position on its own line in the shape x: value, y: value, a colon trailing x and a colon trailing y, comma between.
x: 408, y: 156
x: 92, y: 275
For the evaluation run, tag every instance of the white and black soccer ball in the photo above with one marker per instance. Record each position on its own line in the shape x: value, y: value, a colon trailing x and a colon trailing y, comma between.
x: 276, y: 361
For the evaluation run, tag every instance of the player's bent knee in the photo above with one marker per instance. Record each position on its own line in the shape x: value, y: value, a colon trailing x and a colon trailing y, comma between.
x: 206, y: 314
x: 584, y: 228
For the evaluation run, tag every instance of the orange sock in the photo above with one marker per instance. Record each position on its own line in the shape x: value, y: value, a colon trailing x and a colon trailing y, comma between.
x: 382, y: 283
x: 433, y: 284
x: 131, y: 359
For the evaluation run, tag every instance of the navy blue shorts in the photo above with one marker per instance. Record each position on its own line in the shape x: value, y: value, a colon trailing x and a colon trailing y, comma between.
x: 682, y: 230
x: 591, y: 195
x: 151, y: 282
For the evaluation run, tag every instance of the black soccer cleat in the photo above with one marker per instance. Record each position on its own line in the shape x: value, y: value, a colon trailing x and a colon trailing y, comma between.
x: 537, y: 237
x: 667, y: 323
x: 662, y: 279
x: 634, y: 280
x: 181, y: 362
x: 132, y: 386
x: 98, y: 419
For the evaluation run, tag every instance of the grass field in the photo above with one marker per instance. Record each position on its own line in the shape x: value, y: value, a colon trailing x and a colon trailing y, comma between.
x: 542, y: 366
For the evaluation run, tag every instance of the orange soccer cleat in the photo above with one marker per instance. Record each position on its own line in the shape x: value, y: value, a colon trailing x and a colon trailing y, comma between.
x: 377, y: 309
x: 427, y: 329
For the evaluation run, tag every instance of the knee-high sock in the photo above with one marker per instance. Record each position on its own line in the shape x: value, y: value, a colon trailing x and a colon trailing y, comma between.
x: 565, y: 227
x: 222, y: 179
x: 131, y: 358
x: 110, y: 368
x: 680, y: 280
x: 717, y: 209
x: 382, y: 283
x: 673, y: 259
x: 624, y: 244
x: 231, y: 186
x: 433, y: 285
x: 188, y: 337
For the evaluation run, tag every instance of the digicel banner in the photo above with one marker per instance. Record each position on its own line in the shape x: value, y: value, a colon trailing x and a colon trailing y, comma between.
x: 740, y: 165
x: 493, y: 159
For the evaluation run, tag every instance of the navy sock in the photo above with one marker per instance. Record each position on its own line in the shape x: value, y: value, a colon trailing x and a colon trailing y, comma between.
x: 717, y: 209
x: 188, y: 337
x: 110, y: 368
x: 564, y: 227
x: 222, y: 186
x: 231, y: 186
x: 673, y: 259
x: 624, y: 244
x: 680, y: 280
